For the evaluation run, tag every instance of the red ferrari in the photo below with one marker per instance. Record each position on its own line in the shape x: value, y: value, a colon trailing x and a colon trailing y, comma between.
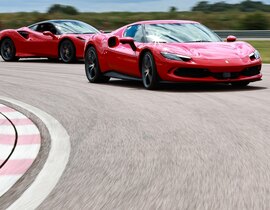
x: 170, y: 50
x: 54, y: 39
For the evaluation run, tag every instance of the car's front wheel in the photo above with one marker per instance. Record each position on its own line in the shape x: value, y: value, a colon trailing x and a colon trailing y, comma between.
x: 8, y: 50
x: 92, y: 69
x: 67, y: 51
x: 149, y: 72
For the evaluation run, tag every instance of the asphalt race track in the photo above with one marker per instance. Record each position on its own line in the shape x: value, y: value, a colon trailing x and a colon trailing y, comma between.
x: 184, y: 146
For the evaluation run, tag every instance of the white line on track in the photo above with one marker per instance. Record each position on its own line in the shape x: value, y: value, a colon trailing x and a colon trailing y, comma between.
x: 8, y: 181
x: 57, y: 159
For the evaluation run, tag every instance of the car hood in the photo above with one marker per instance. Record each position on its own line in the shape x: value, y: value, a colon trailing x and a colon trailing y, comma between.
x: 209, y: 50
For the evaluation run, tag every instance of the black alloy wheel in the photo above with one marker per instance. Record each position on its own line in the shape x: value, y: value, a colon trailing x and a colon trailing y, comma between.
x: 149, y: 72
x: 67, y: 51
x: 8, y: 50
x: 92, y: 69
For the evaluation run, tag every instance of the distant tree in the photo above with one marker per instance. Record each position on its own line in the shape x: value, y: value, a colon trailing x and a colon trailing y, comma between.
x: 220, y: 7
x: 245, y: 6
x: 58, y: 8
x: 255, y: 21
x: 201, y: 6
x: 173, y: 9
x: 251, y: 6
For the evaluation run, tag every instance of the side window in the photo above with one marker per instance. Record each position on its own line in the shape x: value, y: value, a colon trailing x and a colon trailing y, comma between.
x: 40, y: 28
x: 33, y: 27
x: 46, y: 27
x: 136, y: 32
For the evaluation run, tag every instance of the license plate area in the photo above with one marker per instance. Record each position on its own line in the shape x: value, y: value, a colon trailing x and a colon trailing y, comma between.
x: 226, y: 75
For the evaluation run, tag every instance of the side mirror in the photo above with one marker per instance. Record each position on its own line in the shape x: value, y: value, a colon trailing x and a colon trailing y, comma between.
x: 231, y: 38
x: 48, y: 33
x: 130, y: 41
x: 114, y: 41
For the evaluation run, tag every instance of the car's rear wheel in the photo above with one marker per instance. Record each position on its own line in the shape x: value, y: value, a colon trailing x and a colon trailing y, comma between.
x: 149, y: 72
x: 92, y: 68
x: 67, y: 51
x: 240, y: 84
x: 8, y: 50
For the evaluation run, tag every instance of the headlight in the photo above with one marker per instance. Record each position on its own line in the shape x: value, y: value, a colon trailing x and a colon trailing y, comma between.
x: 255, y: 55
x: 176, y: 57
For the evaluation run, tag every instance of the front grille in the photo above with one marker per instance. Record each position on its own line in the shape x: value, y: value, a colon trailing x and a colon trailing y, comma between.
x: 226, y: 75
x: 251, y: 71
x: 192, y: 72
x: 201, y: 73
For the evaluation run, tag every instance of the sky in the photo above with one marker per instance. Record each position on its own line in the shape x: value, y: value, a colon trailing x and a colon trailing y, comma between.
x: 102, y: 5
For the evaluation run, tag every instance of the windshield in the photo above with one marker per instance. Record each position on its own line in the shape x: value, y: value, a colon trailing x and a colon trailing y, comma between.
x: 74, y: 27
x: 179, y: 32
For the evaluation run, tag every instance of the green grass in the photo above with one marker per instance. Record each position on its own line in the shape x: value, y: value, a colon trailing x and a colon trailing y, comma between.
x: 264, y: 48
x: 113, y: 20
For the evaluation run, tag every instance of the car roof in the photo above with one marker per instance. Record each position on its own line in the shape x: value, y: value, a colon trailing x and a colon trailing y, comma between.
x: 163, y: 21
x: 154, y: 22
x: 62, y: 20
x: 54, y: 21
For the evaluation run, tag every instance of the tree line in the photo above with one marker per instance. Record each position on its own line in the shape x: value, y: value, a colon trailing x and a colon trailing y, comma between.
x: 228, y: 19
x: 222, y: 6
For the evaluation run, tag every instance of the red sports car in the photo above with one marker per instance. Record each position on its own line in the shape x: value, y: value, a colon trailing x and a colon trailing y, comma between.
x: 170, y: 50
x: 64, y: 39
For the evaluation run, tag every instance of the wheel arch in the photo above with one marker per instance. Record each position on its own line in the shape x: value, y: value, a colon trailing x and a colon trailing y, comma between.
x: 101, y: 59
x: 64, y: 39
x: 141, y: 56
x: 88, y: 45
x: 6, y: 37
x: 12, y: 40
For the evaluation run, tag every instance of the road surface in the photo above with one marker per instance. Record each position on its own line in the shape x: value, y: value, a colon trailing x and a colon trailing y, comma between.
x: 181, y: 147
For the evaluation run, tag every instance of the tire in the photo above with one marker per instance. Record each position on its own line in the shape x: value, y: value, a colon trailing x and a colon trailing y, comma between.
x: 92, y: 68
x: 67, y: 51
x: 8, y: 50
x: 149, y: 72
x: 240, y: 84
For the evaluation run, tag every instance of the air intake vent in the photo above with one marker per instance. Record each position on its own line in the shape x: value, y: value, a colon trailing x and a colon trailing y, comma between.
x: 24, y: 34
x: 251, y: 71
x: 192, y: 72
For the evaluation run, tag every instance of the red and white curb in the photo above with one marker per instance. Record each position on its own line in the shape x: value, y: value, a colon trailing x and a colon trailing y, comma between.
x: 19, y: 146
x: 55, y: 164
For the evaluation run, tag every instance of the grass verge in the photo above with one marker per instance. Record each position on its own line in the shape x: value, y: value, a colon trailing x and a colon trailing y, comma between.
x: 264, y: 48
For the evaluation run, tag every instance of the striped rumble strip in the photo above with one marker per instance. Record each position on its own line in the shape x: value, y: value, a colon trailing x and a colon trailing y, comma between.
x: 19, y: 146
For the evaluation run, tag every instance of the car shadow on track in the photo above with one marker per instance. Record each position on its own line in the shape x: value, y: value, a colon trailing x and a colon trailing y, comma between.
x: 187, y: 87
x: 44, y: 60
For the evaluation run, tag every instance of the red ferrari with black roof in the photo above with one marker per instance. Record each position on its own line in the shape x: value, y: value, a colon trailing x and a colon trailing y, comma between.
x: 64, y: 39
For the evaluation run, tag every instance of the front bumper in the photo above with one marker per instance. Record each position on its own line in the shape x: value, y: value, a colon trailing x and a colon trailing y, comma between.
x: 210, y: 71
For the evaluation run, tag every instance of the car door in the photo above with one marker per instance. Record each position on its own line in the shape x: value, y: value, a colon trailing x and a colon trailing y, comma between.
x: 43, y: 45
x: 122, y: 58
